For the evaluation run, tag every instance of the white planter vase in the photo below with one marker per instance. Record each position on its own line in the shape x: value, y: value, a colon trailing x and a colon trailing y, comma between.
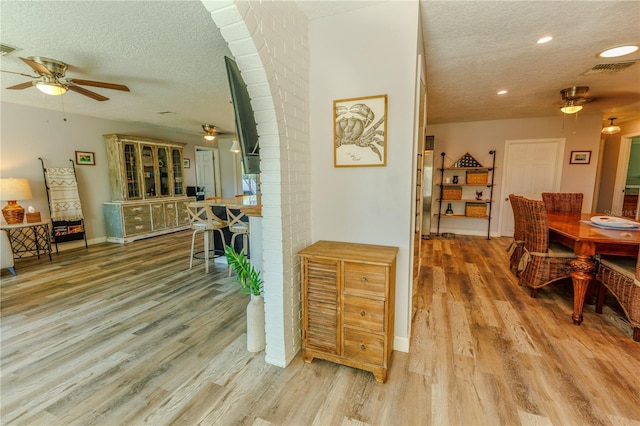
x: 255, y: 324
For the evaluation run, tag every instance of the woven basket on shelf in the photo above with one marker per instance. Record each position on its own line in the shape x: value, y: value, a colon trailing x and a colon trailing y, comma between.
x: 452, y: 193
x: 477, y: 177
x: 475, y: 209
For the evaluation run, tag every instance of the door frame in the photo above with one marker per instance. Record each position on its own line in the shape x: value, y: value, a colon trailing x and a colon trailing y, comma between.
x: 216, y: 166
x: 624, y: 154
x: 560, y: 146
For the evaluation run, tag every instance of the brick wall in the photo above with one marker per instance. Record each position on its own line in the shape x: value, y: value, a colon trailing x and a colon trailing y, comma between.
x: 269, y: 41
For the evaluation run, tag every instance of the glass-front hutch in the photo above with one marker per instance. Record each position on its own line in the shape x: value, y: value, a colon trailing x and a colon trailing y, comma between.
x: 147, y: 184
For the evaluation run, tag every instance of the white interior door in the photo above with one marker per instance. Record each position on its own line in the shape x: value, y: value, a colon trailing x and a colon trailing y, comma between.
x: 532, y: 166
x: 208, y: 171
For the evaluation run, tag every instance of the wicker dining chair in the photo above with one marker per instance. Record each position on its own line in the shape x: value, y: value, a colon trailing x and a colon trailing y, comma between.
x: 563, y: 202
x: 621, y: 276
x: 516, y: 248
x: 542, y: 262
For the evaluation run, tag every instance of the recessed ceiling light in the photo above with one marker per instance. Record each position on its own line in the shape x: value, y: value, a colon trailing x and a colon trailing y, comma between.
x: 614, y: 52
x: 544, y: 39
x: 502, y: 92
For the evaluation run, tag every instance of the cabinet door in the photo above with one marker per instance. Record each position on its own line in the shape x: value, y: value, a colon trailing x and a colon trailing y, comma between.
x: 183, y: 213
x: 164, y: 171
x: 176, y: 161
x: 320, y: 320
x: 170, y: 215
x: 157, y: 216
x: 149, y: 171
x: 132, y: 171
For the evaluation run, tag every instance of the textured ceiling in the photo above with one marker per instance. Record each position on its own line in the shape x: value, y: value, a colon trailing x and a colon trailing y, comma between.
x: 170, y: 54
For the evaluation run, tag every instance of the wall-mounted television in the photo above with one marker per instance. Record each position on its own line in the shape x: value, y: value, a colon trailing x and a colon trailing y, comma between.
x: 246, y: 127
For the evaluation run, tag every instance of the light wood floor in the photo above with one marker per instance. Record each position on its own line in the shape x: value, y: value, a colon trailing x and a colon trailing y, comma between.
x: 127, y: 335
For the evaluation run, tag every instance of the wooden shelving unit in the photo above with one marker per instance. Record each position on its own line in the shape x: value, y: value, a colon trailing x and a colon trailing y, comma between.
x: 464, y: 187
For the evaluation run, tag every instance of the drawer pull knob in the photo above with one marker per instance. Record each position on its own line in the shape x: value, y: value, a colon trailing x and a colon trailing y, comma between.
x: 362, y: 313
x: 363, y: 347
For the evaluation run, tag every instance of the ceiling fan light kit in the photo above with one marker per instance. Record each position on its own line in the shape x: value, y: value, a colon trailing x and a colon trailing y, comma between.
x: 235, y: 147
x: 51, y: 88
x: 611, y: 128
x: 570, y: 108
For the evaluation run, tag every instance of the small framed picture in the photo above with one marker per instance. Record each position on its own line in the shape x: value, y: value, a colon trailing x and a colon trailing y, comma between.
x: 186, y: 163
x: 85, y: 158
x: 580, y: 157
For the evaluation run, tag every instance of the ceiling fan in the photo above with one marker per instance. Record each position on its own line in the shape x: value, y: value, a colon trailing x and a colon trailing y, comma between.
x: 574, y: 98
x: 211, y: 132
x: 50, y: 79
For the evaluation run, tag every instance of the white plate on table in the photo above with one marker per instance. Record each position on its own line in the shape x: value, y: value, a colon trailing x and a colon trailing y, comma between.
x: 613, y: 222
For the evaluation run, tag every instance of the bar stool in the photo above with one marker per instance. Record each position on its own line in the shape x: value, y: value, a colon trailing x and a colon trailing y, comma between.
x: 204, y: 220
x: 237, y: 226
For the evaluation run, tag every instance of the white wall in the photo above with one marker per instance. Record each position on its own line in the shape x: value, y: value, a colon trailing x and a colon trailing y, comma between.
x: 478, y: 138
x: 370, y: 51
x: 28, y: 133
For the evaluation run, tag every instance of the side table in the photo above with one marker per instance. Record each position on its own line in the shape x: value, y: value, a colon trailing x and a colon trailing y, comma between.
x: 28, y: 238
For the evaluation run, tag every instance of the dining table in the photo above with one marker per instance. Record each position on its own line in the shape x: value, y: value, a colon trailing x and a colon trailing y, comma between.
x: 589, y: 238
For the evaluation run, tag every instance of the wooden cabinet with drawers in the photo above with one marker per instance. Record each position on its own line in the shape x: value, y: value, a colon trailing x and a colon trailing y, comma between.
x: 348, y: 302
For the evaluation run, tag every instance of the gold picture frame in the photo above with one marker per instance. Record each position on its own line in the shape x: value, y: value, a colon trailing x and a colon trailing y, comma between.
x: 360, y: 132
x: 85, y: 158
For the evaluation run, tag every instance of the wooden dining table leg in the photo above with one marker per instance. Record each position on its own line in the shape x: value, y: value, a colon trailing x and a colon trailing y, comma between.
x: 583, y: 272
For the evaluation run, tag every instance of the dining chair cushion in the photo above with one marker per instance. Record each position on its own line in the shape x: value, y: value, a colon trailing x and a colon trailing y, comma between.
x: 623, y: 265
x: 555, y: 251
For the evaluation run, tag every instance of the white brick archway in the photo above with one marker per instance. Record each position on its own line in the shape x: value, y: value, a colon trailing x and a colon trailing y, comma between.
x: 276, y: 70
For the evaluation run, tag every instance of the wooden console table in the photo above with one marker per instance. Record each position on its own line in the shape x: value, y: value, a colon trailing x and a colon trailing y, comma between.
x: 26, y: 238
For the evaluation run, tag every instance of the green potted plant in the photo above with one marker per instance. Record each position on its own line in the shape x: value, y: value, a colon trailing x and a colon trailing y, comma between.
x: 251, y: 283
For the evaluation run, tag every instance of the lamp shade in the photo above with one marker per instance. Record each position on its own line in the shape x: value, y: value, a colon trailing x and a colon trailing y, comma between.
x: 15, y: 189
x: 235, y: 146
x: 611, y: 128
x: 12, y: 190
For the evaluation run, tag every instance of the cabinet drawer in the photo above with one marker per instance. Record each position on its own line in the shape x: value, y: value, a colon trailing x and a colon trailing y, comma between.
x: 363, y: 346
x: 139, y: 227
x: 363, y: 278
x: 363, y: 313
x: 135, y: 210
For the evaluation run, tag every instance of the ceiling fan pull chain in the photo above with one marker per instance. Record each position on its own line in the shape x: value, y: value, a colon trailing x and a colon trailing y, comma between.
x: 64, y: 113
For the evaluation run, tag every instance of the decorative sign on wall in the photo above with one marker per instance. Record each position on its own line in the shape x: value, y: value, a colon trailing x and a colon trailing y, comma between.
x: 360, y: 131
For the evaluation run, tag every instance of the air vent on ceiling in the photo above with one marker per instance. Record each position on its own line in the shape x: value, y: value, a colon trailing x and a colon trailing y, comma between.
x: 614, y: 67
x: 5, y: 49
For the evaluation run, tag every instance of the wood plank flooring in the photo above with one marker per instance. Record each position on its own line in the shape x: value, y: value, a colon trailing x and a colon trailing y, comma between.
x: 127, y: 335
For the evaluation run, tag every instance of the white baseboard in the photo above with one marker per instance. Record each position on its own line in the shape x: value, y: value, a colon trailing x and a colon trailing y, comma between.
x: 401, y: 344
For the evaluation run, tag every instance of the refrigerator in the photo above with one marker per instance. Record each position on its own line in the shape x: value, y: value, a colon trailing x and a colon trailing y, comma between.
x: 427, y: 186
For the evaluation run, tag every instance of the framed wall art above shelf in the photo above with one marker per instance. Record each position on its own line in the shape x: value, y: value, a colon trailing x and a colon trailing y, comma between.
x: 462, y: 193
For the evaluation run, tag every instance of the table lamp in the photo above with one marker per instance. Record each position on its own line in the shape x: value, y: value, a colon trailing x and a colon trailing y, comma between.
x: 12, y: 190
